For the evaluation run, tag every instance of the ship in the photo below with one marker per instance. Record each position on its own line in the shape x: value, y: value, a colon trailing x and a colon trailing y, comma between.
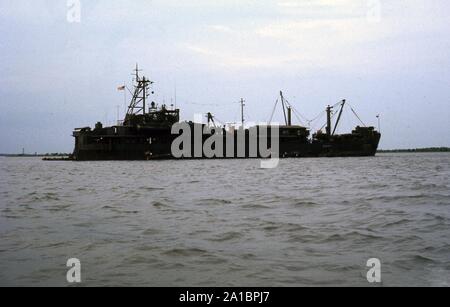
x: 147, y: 133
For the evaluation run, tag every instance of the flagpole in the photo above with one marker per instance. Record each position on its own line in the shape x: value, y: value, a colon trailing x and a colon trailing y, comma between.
x: 125, y: 99
x: 122, y: 88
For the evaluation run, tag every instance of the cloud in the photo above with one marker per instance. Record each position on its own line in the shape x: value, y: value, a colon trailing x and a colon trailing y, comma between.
x: 348, y: 4
x: 237, y: 59
x: 220, y: 28
x: 302, y: 44
x: 317, y: 34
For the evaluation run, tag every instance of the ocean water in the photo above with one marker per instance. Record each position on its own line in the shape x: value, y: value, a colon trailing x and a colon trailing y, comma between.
x: 309, y: 222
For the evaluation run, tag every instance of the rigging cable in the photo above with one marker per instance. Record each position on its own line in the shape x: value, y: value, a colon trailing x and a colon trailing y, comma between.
x: 332, y: 117
x: 298, y: 116
x: 284, y: 111
x: 273, y: 112
x: 351, y: 107
x: 297, y: 113
x: 316, y: 119
x: 318, y: 116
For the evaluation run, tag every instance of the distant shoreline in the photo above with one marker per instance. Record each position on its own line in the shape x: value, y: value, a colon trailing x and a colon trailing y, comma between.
x: 417, y: 150
x: 430, y: 149
x: 56, y: 155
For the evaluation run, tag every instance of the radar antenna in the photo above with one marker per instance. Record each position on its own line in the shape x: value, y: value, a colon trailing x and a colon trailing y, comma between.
x: 140, y: 94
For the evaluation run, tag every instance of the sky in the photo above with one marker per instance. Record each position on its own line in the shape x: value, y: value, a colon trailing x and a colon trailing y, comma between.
x: 60, y: 70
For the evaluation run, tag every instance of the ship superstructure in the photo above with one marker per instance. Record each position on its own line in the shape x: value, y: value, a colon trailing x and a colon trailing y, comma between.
x: 146, y: 134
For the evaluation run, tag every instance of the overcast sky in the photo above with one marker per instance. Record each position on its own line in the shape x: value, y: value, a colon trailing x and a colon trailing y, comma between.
x: 384, y: 57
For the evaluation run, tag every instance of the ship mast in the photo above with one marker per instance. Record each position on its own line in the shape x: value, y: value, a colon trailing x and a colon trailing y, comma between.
x: 328, y: 129
x: 339, y: 117
x: 242, y: 111
x: 141, y: 92
x: 287, y: 109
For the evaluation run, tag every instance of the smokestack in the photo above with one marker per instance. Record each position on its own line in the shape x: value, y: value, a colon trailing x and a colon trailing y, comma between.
x: 289, y: 116
x: 329, y: 120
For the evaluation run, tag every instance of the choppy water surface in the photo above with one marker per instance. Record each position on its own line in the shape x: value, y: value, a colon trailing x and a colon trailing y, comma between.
x: 227, y: 223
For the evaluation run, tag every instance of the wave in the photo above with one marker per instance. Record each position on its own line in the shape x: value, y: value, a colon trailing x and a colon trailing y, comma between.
x: 228, y: 236
x: 185, y: 252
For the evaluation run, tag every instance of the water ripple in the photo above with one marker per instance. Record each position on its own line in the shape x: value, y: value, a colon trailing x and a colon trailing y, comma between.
x: 227, y: 222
